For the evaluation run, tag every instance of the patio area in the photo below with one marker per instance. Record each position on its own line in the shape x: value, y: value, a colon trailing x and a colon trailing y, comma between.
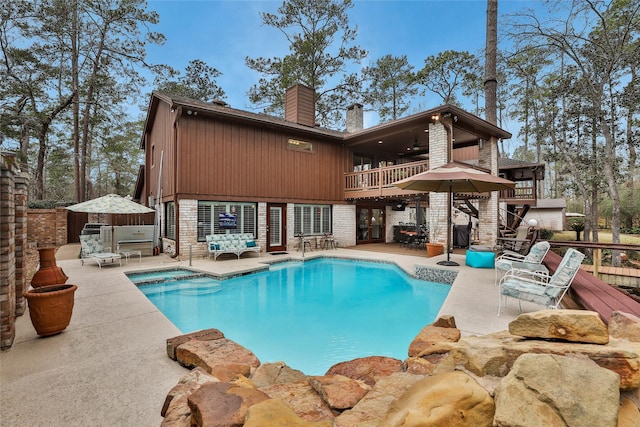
x: 110, y: 367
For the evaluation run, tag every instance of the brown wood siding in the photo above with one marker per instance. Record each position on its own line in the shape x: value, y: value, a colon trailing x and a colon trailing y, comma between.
x: 466, y: 154
x: 160, y: 137
x: 222, y: 160
x: 300, y: 105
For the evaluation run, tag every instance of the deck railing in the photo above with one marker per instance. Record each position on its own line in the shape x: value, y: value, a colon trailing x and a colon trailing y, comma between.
x: 379, y: 179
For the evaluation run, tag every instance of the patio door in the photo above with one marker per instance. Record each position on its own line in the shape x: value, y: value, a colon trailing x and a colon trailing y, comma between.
x: 370, y: 224
x: 276, y: 227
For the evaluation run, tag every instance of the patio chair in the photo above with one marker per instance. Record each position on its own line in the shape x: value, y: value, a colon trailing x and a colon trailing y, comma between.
x: 521, y: 244
x: 531, y: 261
x: 540, y: 288
x: 91, y: 247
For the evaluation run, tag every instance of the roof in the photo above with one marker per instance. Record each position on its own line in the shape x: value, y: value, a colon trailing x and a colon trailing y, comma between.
x: 551, y: 204
x: 468, y: 128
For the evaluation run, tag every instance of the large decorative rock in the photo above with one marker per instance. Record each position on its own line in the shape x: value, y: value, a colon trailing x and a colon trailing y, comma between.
x: 445, y: 321
x: 433, y: 340
x: 222, y: 404
x: 551, y: 390
x: 430, y: 364
x: 176, y: 408
x: 219, y: 356
x: 624, y: 326
x: 274, y: 413
x: 495, y: 354
x: 451, y: 399
x: 204, y: 335
x: 367, y: 369
x: 567, y: 325
x: 374, y: 406
x: 338, y: 391
x: 275, y: 373
x: 302, y: 399
x: 628, y: 414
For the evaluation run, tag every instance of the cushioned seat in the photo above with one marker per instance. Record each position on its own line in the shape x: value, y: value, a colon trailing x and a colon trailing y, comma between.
x: 480, y: 259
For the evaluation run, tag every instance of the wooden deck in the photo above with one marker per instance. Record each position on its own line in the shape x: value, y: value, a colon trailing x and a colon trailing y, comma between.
x: 594, y: 294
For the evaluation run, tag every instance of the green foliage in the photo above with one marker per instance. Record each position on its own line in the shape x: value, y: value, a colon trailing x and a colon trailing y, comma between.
x: 47, y: 204
x: 197, y: 82
x: 320, y: 46
x: 391, y: 85
x: 546, y: 234
x: 450, y: 72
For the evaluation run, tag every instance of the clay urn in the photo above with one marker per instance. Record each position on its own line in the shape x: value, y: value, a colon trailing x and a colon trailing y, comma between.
x: 50, y: 307
x: 49, y: 272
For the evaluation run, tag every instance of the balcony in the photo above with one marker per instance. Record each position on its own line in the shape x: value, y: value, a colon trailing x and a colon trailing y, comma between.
x: 378, y: 183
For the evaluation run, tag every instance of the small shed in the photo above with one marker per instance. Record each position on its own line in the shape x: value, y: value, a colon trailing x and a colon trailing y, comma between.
x: 550, y: 214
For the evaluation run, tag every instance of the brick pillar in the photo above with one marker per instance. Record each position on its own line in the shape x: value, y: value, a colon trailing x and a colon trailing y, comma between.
x: 488, y: 209
x: 61, y: 226
x: 21, y: 197
x: 438, y: 156
x: 7, y: 252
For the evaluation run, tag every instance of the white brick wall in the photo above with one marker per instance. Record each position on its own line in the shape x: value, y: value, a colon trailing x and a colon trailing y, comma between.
x: 344, y: 224
x: 395, y: 218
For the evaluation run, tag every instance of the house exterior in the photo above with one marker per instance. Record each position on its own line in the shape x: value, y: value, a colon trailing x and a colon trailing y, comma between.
x: 549, y: 213
x: 212, y: 169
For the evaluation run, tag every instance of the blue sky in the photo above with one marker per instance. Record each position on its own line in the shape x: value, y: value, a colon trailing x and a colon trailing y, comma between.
x: 223, y: 33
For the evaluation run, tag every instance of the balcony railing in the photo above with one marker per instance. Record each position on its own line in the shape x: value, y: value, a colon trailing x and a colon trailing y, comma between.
x: 379, y: 183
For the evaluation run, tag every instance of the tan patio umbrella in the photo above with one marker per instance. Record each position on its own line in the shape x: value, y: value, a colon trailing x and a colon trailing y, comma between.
x: 454, y: 177
x: 110, y: 204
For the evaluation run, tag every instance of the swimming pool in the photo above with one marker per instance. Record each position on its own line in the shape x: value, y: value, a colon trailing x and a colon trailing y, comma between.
x: 310, y: 314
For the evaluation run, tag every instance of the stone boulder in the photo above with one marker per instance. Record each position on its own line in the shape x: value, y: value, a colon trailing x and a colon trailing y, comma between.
x: 176, y: 411
x: 222, y: 404
x: 338, y: 391
x: 450, y: 399
x: 275, y: 373
x: 551, y: 390
x: 220, y: 357
x: 624, y: 326
x: 367, y: 369
x: 204, y: 335
x: 628, y: 414
x: 567, y: 325
x: 374, y: 405
x: 433, y: 340
x: 302, y: 399
x: 495, y: 354
x: 274, y: 413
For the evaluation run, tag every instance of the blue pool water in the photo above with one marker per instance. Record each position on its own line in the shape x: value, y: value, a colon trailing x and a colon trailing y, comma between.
x: 310, y: 314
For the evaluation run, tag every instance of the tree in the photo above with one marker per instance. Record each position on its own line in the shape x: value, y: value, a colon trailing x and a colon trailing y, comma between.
x: 198, y: 81
x: 391, y: 82
x: 490, y: 68
x: 320, y: 47
x: 448, y: 73
x: 593, y: 58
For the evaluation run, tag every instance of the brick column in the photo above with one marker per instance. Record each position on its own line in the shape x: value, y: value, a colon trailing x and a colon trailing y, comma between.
x: 61, y: 226
x: 21, y: 197
x: 488, y: 209
x: 7, y: 252
x: 438, y: 202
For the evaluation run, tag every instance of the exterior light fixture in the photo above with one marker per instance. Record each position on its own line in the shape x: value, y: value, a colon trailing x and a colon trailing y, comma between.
x: 189, y: 112
x: 380, y: 142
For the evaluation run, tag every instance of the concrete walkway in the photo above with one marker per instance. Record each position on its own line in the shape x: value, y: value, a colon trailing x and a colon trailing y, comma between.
x: 110, y: 368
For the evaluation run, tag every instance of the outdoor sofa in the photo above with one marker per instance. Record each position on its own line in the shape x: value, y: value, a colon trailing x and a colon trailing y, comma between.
x: 236, y: 244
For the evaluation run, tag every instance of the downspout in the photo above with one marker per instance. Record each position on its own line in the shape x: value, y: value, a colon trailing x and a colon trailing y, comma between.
x: 176, y: 251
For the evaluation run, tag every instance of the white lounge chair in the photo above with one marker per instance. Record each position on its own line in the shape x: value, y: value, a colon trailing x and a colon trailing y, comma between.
x: 91, y: 247
x: 531, y: 261
x: 541, y: 288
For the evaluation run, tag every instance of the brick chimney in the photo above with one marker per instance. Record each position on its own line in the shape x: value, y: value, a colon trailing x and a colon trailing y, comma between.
x: 300, y: 105
x: 355, y: 121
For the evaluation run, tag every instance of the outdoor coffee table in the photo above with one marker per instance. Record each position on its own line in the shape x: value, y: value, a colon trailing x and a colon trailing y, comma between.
x: 128, y: 252
x: 104, y: 257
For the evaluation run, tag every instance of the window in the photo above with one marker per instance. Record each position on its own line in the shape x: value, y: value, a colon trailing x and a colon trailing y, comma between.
x: 312, y: 219
x: 294, y: 144
x: 226, y: 218
x: 170, y: 220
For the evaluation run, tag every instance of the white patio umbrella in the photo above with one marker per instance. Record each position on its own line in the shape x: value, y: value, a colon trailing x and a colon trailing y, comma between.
x: 110, y: 204
x: 454, y: 177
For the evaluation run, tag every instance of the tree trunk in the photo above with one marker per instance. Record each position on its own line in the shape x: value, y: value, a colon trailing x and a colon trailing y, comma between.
x: 490, y: 81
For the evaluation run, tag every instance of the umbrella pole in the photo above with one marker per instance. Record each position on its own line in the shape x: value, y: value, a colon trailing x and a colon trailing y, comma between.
x: 448, y: 262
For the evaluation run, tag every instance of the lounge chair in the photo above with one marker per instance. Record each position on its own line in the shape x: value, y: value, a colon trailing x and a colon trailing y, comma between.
x: 91, y: 247
x: 540, y: 288
x: 521, y: 244
x: 531, y: 261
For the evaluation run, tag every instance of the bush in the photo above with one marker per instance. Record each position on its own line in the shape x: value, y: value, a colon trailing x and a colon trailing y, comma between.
x: 47, y: 204
x: 546, y: 234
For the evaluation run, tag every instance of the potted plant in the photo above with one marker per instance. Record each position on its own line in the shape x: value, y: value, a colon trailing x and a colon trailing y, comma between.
x: 434, y: 246
x: 50, y: 307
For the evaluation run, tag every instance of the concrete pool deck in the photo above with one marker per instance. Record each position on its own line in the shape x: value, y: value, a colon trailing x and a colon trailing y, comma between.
x: 110, y: 367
